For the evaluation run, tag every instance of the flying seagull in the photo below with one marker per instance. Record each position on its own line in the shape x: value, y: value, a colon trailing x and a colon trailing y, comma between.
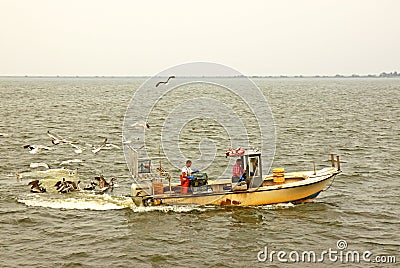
x: 165, y: 82
x: 108, y: 145
x: 141, y: 125
x: 101, y: 146
x: 78, y: 150
x: 35, y: 149
x: 55, y: 139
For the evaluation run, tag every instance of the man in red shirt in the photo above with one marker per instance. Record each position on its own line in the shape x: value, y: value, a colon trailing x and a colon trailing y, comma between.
x: 237, y: 170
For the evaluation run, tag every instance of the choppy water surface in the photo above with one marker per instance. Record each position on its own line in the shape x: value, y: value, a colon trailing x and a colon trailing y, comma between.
x: 355, y: 118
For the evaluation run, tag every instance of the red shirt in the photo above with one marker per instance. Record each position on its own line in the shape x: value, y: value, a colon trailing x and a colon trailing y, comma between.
x: 237, y: 170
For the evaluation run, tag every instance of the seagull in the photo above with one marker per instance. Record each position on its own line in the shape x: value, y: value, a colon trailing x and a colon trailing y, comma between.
x: 165, y: 82
x: 108, y: 145
x: 37, y: 165
x: 70, y: 161
x: 4, y: 135
x: 78, y: 150
x: 101, y: 146
x: 130, y: 141
x: 144, y: 125
x: 35, y: 149
x: 55, y: 139
x: 36, y: 187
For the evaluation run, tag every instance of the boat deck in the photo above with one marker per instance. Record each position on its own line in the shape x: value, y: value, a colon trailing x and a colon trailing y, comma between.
x: 225, y: 185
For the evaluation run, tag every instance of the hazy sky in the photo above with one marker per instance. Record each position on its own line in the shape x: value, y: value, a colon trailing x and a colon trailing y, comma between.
x: 144, y: 37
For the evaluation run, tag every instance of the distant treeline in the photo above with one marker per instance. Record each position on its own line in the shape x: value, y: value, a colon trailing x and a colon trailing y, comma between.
x: 381, y: 75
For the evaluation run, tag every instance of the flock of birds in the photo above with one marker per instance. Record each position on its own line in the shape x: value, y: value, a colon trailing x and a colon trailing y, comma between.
x: 63, y: 186
x: 56, y: 140
x: 100, y: 185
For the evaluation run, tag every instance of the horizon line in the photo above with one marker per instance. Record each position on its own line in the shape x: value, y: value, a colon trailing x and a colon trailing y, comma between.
x: 381, y: 75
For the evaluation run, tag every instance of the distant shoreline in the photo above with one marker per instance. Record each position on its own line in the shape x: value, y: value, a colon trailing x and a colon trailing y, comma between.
x: 382, y: 75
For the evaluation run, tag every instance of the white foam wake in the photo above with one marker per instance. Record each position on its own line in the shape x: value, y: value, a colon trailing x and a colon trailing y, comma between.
x: 103, y: 202
x: 172, y: 208
x: 277, y: 206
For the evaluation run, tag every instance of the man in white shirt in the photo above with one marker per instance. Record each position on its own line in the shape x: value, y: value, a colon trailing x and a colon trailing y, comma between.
x: 186, y: 176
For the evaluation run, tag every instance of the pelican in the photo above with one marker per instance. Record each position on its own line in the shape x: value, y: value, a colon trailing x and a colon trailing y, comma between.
x: 104, y: 185
x: 66, y: 186
x: 90, y: 187
x: 36, y: 187
x: 74, y: 185
x: 165, y: 82
x: 61, y: 186
x: 101, y: 181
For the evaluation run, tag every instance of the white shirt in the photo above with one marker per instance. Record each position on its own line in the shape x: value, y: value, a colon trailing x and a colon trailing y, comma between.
x: 187, y: 170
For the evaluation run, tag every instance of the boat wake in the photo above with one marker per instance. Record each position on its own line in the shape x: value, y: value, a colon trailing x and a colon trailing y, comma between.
x: 196, y: 208
x: 277, y: 206
x: 172, y: 208
x: 81, y: 202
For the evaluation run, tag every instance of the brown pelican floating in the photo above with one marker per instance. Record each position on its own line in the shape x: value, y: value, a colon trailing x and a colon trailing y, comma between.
x: 61, y: 186
x: 36, y: 187
x: 165, y: 82
x: 91, y: 186
x: 66, y: 186
x: 35, y: 149
x: 75, y: 185
x: 104, y: 185
x: 56, y: 139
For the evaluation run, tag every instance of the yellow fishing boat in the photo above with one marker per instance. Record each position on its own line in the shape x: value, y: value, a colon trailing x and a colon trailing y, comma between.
x: 153, y: 186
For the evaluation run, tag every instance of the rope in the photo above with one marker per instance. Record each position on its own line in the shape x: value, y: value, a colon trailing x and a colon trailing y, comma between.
x: 329, y: 186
